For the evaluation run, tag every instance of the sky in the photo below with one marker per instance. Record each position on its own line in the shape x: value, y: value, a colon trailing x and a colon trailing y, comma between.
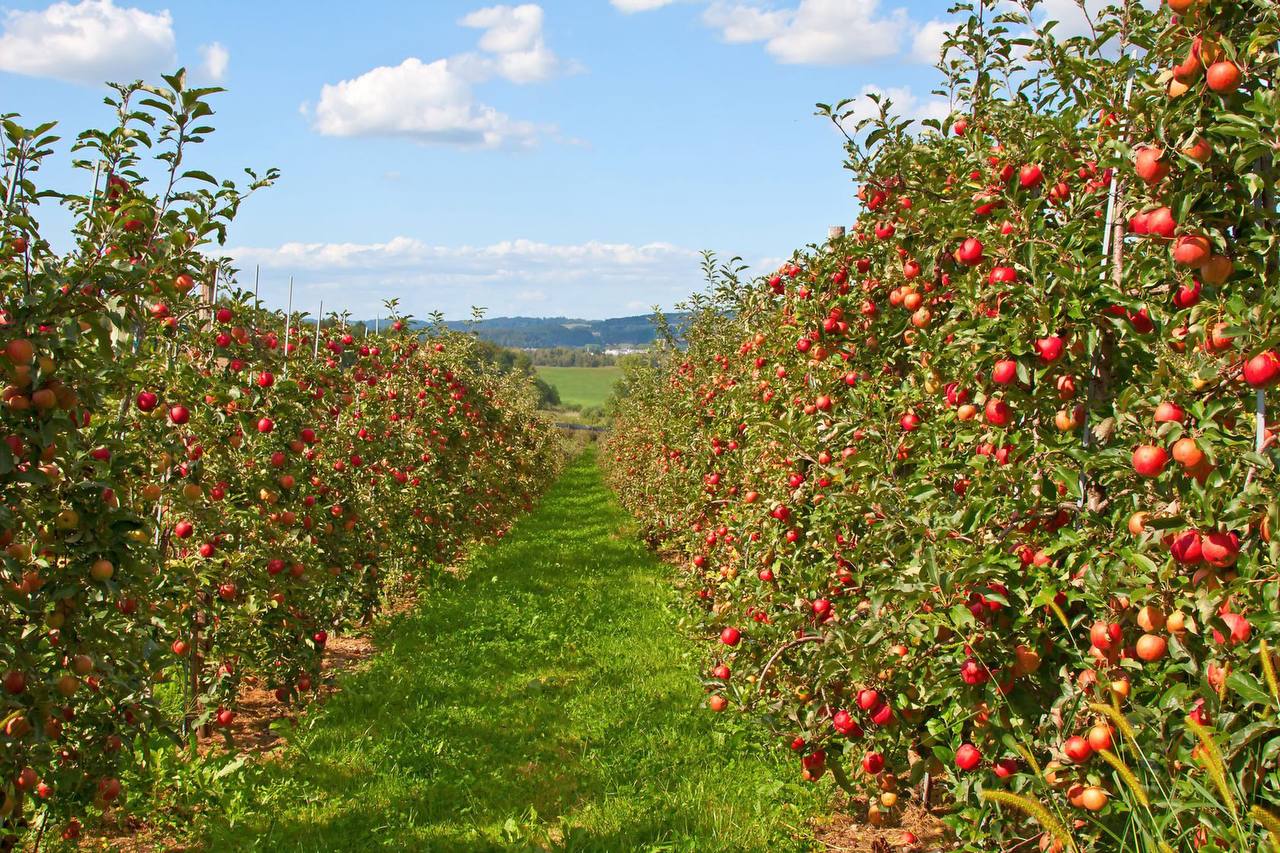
x: 551, y: 159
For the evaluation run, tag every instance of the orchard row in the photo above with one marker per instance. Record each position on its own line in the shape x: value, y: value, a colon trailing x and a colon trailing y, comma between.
x: 986, y: 489
x: 193, y: 496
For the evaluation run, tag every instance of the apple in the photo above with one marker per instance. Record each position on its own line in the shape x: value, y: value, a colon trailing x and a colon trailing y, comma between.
x: 14, y: 682
x: 1186, y: 548
x: 730, y: 636
x: 1030, y: 175
x: 1151, y: 647
x: 1149, y: 165
x: 1005, y: 372
x: 1222, y: 77
x: 1220, y: 549
x: 1149, y: 460
x: 1187, y: 295
x: 872, y: 763
x: 179, y: 414
x: 1238, y: 627
x: 1262, y: 370
x: 844, y: 724
x: 970, y: 252
x: 1191, y: 250
x: 1077, y: 749
x: 1050, y: 348
x: 968, y: 757
x: 1169, y: 413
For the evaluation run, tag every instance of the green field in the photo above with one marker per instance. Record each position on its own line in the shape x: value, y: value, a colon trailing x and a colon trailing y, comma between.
x: 581, y: 386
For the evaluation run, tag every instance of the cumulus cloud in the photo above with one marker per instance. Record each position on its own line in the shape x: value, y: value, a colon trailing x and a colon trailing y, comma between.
x: 428, y: 102
x: 629, y: 6
x: 926, y: 47
x: 87, y: 42
x: 590, y: 279
x: 215, y: 59
x: 435, y: 101
x: 514, y: 43
x: 906, y: 103
x: 814, y: 32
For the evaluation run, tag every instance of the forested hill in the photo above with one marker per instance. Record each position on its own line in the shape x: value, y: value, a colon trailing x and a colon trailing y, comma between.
x: 541, y: 332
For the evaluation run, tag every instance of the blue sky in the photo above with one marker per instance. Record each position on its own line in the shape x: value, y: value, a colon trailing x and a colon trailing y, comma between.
x: 560, y: 158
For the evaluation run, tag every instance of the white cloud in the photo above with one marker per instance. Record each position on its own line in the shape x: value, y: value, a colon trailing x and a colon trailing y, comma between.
x: 216, y: 58
x: 926, y: 47
x: 591, y: 279
x: 1071, y: 21
x: 428, y: 102
x: 434, y: 102
x: 513, y: 37
x: 906, y: 103
x: 87, y: 42
x: 629, y: 6
x: 815, y: 32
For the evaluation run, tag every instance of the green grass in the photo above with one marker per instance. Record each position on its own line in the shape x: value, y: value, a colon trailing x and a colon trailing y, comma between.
x: 582, y: 386
x: 545, y: 700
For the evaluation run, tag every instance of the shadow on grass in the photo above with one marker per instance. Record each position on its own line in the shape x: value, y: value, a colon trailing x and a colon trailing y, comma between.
x: 542, y: 701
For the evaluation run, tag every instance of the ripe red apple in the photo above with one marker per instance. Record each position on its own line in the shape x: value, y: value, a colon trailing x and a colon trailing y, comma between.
x: 1187, y: 295
x: 872, y: 763
x: 1186, y: 548
x: 1220, y: 549
x: 1222, y: 77
x: 1004, y: 768
x: 1150, y: 460
x: 1161, y: 223
x: 968, y: 757
x: 997, y: 412
x: 844, y: 724
x: 1030, y: 176
x: 970, y: 252
x: 730, y: 636
x: 179, y: 414
x: 1238, y: 627
x: 1077, y: 749
x: 1169, y: 413
x: 1149, y: 164
x: 1263, y: 369
x: 1191, y: 250
x: 1050, y: 348
x: 1005, y: 372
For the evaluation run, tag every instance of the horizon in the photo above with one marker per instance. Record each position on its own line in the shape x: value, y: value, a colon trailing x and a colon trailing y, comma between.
x: 524, y: 158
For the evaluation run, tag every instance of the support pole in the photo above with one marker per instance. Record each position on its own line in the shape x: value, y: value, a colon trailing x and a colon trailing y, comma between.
x: 288, y: 327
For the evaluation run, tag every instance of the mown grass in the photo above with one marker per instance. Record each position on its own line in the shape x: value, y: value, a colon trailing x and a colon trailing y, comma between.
x: 582, y: 386
x: 543, y: 701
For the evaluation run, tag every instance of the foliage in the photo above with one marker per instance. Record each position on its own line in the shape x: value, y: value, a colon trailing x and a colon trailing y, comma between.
x: 921, y: 474
x: 193, y: 495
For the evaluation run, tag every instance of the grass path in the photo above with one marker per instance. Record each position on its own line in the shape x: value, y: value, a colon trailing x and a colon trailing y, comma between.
x: 544, y: 701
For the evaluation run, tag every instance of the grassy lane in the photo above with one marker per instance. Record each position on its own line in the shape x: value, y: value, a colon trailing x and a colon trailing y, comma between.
x: 545, y: 701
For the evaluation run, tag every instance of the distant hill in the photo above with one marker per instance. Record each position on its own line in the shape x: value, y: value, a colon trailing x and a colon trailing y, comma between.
x: 539, y: 332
